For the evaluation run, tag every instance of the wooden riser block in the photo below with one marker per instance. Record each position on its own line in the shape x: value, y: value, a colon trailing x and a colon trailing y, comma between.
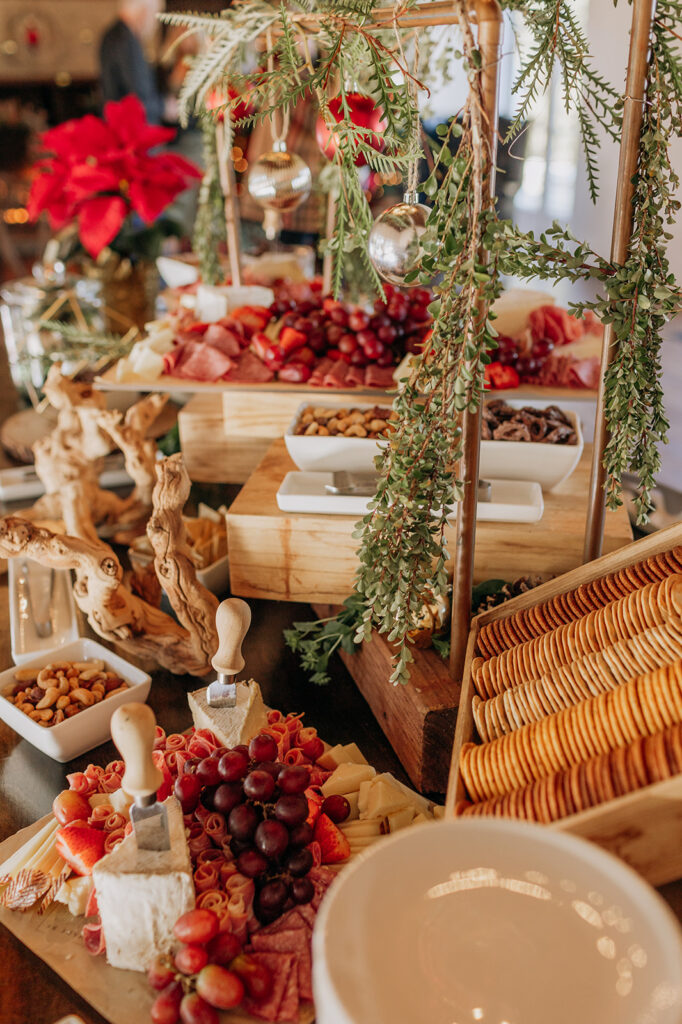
x: 285, y: 556
x: 418, y: 719
x: 210, y: 455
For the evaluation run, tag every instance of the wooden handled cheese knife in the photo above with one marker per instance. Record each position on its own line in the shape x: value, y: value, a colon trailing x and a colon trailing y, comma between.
x: 232, y: 620
x: 133, y: 730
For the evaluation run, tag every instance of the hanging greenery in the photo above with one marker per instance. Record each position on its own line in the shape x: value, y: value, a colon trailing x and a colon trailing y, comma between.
x: 209, y: 226
x: 466, y: 248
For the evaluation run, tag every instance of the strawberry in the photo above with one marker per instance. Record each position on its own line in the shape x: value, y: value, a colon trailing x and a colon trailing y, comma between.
x: 261, y: 345
x: 314, y: 798
x: 81, y: 847
x: 333, y: 843
x: 290, y: 339
x: 255, y: 318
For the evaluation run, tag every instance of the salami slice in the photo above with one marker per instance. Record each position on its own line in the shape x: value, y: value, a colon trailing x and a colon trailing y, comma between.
x: 290, y: 940
x: 93, y: 938
x: 250, y: 370
x: 223, y: 339
x: 206, y: 876
x: 281, y: 966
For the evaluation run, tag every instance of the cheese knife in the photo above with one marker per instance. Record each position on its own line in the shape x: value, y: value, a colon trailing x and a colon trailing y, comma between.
x: 133, y: 730
x: 233, y: 619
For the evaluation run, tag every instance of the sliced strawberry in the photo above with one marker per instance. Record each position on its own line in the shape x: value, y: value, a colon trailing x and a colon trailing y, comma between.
x: 166, y: 787
x: 314, y: 798
x: 254, y: 317
x: 81, y: 847
x: 333, y: 843
x: 290, y: 339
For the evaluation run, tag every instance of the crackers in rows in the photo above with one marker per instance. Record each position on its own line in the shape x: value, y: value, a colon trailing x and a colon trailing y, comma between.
x: 498, y: 636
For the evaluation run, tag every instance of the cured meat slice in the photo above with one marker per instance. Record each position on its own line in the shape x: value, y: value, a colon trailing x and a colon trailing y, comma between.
x: 322, y: 878
x: 249, y: 369
x: 202, y: 362
x: 379, y: 376
x: 336, y: 376
x: 584, y: 373
x: 223, y: 339
x: 355, y: 376
x: 172, y: 358
x: 93, y: 938
x: 320, y: 371
x: 281, y: 967
x: 291, y: 940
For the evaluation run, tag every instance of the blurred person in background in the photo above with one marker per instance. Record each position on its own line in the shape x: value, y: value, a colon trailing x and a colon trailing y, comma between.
x: 123, y: 65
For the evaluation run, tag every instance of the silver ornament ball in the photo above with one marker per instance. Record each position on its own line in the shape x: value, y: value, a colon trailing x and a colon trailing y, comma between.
x: 395, y: 239
x: 279, y: 180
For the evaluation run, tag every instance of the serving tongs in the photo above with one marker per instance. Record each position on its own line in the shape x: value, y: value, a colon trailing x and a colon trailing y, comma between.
x: 364, y: 485
x: 232, y: 620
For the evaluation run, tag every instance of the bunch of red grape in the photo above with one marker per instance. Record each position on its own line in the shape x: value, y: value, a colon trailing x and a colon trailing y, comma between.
x: 314, y: 327
x: 265, y: 810
x: 208, y: 973
x: 528, y: 362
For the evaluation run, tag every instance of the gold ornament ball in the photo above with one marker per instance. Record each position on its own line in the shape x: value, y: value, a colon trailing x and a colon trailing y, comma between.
x: 395, y: 239
x: 279, y: 180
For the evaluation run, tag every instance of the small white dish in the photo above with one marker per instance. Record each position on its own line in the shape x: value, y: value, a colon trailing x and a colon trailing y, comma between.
x: 511, y: 501
x: 29, y: 603
x: 545, y: 464
x: 497, y: 922
x: 89, y: 727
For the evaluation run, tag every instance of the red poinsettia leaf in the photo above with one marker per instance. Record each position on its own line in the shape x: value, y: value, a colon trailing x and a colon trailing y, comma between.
x: 85, y: 180
x: 45, y: 189
x: 151, y: 199
x: 99, y: 221
x: 74, y: 140
x: 127, y: 118
x: 178, y: 165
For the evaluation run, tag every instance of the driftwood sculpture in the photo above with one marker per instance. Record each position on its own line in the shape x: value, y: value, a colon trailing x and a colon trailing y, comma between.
x: 113, y: 611
x: 69, y: 460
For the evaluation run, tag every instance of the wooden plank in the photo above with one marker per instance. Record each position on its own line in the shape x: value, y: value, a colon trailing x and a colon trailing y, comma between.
x: 312, y: 558
x: 211, y: 456
x: 270, y: 414
x: 121, y: 997
x: 643, y: 828
x: 418, y: 719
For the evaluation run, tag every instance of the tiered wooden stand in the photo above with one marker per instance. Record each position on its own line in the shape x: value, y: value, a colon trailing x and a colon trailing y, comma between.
x: 312, y: 558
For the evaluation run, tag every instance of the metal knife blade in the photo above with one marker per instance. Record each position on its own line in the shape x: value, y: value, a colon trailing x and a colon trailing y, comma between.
x: 222, y: 693
x: 151, y: 826
x: 133, y: 730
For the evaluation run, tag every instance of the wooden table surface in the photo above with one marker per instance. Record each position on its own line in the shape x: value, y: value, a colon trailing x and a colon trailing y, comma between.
x: 30, y: 993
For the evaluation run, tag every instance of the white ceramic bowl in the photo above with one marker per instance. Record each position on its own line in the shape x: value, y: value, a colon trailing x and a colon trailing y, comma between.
x: 546, y: 464
x: 89, y: 727
x: 497, y: 922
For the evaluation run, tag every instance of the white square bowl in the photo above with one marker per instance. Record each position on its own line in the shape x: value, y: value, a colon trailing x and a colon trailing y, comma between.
x: 545, y: 464
x: 89, y: 727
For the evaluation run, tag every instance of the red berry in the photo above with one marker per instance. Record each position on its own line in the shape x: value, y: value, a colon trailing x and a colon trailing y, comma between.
x: 374, y: 349
x: 294, y: 778
x: 259, y: 785
x: 358, y: 320
x: 187, y: 789
x: 233, y: 765
x: 166, y: 1007
x: 263, y: 748
x: 223, y: 948
x: 256, y: 977
x: 334, y: 332
x: 306, y: 356
x: 387, y: 334
x: 197, y: 925
x: 191, y: 959
x: 71, y: 806
x: 195, y: 1010
x: 336, y: 807
x: 339, y: 316
x: 160, y: 974
x: 207, y: 770
x: 221, y: 988
x: 365, y: 336
x: 347, y: 344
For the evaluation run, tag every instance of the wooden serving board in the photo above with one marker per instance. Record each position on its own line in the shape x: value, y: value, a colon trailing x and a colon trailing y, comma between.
x: 121, y: 997
x: 643, y: 828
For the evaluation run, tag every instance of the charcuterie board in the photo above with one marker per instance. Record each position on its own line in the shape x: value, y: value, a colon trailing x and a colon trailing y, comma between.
x: 121, y: 997
x: 179, y: 385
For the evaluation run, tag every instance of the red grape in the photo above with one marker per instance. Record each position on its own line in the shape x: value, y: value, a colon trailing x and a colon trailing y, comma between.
x: 159, y: 973
x: 271, y: 767
x: 301, y: 835
x: 334, y: 332
x: 221, y: 988
x: 302, y: 890
x: 387, y: 359
x: 398, y: 308
x: 299, y: 862
x: 252, y: 863
x: 336, y: 807
x: 317, y: 341
x: 291, y: 809
x: 223, y: 948
x: 195, y: 1010
x: 374, y: 348
x: 420, y: 297
x: 233, y: 765
x: 166, y: 1007
x: 259, y: 785
x: 294, y: 778
x: 358, y: 358
x: 207, y: 770
x: 191, y: 764
x: 227, y: 796
x: 187, y: 789
x: 238, y: 846
x: 387, y: 334
x: 242, y: 748
x: 358, y: 320
x: 347, y: 344
x: 242, y: 822
x: 366, y: 336
x: 306, y: 356
x: 197, y: 925
x: 255, y: 975
x: 263, y: 748
x: 379, y: 305
x: 71, y: 806
x: 273, y: 896
x: 190, y: 959
x: 339, y: 316
x: 289, y: 319
x: 271, y: 838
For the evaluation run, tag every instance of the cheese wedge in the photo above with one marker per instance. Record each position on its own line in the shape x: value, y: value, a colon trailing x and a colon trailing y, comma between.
x: 384, y: 798
x: 420, y: 803
x: 332, y: 758
x: 421, y: 819
x: 347, y: 778
x: 142, y: 893
x: 363, y: 797
x: 352, y: 799
x: 231, y: 726
x: 353, y: 754
x: 400, y: 819
x: 356, y: 829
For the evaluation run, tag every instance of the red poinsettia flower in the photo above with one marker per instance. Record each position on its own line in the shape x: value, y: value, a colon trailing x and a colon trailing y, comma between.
x: 102, y: 171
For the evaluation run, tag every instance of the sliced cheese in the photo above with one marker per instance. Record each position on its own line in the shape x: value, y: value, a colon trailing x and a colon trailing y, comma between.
x: 419, y: 802
x: 363, y: 796
x: 400, y: 819
x: 231, y: 726
x: 347, y: 778
x: 352, y: 799
x: 142, y: 893
x: 421, y: 819
x: 353, y: 754
x: 353, y: 829
x: 384, y: 798
x: 332, y: 758
x: 75, y: 893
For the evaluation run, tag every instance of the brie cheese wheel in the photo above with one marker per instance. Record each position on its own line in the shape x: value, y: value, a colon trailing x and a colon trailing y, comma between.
x: 231, y: 726
x: 142, y: 893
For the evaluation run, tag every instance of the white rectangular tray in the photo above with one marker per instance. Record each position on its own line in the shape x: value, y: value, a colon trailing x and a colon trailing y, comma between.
x: 512, y: 501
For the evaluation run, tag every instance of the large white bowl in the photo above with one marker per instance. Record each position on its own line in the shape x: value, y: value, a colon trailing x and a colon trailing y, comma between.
x: 546, y: 464
x: 497, y: 922
x: 89, y: 727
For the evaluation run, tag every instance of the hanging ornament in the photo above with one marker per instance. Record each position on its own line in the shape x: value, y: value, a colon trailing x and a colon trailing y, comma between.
x: 218, y: 98
x: 395, y: 239
x: 279, y: 180
x: 364, y: 113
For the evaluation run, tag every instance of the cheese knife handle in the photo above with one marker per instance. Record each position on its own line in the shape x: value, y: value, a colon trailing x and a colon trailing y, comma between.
x: 232, y: 620
x: 133, y: 730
